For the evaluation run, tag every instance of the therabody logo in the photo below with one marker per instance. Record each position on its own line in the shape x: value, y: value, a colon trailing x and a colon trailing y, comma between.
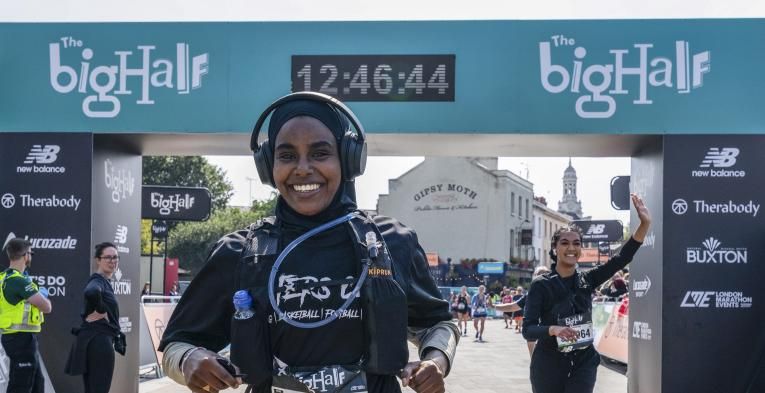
x: 680, y: 207
x: 8, y: 201
x: 98, y: 83
x: 594, y: 84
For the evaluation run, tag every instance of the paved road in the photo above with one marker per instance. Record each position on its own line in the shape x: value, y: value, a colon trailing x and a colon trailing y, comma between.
x: 501, y: 364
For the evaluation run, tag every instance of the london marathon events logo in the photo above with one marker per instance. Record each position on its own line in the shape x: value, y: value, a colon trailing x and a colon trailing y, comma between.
x: 40, y: 159
x: 719, y: 162
x: 102, y: 84
x: 713, y: 299
x: 595, y: 84
x: 713, y: 252
x: 750, y: 208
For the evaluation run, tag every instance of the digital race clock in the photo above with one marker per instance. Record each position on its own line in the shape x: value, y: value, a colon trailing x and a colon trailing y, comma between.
x: 376, y: 77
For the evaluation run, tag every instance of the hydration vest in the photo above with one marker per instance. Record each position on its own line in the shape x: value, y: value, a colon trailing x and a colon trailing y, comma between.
x: 382, y: 300
x: 22, y: 317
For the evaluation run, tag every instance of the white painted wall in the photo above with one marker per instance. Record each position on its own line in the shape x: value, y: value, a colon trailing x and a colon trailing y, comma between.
x: 480, y: 232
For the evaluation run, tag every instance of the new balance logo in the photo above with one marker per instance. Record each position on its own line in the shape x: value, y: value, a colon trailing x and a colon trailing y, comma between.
x: 596, y: 229
x: 120, y: 239
x: 720, y: 158
x: 42, y: 154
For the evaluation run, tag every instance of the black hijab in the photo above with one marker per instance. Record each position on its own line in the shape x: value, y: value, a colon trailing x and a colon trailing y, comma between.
x: 344, y: 200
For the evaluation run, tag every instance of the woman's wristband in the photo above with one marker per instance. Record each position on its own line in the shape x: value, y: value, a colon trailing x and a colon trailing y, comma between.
x: 186, y: 356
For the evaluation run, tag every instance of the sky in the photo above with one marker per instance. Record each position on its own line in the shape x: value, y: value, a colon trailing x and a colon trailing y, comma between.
x: 594, y: 177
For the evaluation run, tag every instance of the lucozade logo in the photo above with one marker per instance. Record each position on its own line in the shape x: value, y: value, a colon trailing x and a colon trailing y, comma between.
x: 99, y: 83
x: 596, y: 83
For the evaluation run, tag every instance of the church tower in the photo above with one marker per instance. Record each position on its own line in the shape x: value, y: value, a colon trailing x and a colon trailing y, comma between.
x: 570, y: 204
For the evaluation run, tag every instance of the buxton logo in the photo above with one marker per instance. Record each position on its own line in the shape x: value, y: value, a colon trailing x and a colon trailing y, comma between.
x: 713, y: 253
x: 120, y: 286
x: 717, y: 160
x: 39, y: 158
x: 101, y: 84
x: 596, y: 83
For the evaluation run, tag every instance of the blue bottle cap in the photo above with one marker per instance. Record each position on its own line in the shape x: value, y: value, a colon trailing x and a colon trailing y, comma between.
x: 242, y: 298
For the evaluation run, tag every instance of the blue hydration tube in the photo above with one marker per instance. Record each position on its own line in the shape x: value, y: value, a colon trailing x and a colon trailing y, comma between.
x: 280, y: 259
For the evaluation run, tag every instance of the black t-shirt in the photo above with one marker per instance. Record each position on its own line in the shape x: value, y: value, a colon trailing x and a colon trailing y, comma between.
x: 538, y: 312
x: 339, y: 342
x: 203, y: 314
x: 99, y: 296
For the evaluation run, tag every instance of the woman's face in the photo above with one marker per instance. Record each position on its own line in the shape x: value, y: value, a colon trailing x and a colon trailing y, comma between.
x: 569, y: 248
x: 306, y: 165
x: 108, y: 261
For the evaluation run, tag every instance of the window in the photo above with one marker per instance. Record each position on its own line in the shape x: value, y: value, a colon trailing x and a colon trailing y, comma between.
x: 512, y: 203
x: 527, y: 209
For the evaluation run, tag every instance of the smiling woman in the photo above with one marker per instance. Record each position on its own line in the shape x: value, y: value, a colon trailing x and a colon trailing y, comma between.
x: 321, y: 288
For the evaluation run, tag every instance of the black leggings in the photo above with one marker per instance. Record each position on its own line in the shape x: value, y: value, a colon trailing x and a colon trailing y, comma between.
x: 555, y: 372
x: 100, y: 364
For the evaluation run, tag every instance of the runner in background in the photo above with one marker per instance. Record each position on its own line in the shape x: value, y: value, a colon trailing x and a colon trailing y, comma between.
x: 463, y: 310
x: 480, y: 305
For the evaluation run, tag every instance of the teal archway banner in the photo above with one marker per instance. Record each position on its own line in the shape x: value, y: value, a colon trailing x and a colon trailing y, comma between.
x: 598, y: 76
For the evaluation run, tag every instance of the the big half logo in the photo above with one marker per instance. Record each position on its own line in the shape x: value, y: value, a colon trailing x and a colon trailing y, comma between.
x: 119, y: 181
x: 595, y: 84
x: 101, y: 84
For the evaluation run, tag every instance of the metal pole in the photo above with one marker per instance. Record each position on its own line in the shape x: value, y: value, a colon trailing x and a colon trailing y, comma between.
x: 151, y: 255
x: 164, y: 262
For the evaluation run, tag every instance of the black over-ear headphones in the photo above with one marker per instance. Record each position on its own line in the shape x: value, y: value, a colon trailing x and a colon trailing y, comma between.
x: 353, y: 145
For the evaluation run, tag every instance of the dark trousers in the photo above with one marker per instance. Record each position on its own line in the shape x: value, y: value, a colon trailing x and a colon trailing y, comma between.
x: 556, y: 372
x: 100, y: 364
x: 25, y: 375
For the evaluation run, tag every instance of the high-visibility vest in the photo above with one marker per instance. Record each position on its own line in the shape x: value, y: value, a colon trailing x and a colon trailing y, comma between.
x: 23, y: 317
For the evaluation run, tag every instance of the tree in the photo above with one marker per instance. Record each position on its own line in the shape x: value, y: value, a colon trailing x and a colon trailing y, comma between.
x: 191, y: 242
x: 182, y: 172
x: 192, y: 171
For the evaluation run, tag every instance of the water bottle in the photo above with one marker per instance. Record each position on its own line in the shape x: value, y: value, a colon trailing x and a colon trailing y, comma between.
x: 243, y: 305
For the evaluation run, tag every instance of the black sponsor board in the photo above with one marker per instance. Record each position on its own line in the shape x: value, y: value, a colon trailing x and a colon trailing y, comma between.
x: 176, y: 203
x: 46, y: 197
x: 713, y: 231
x: 646, y: 277
x: 116, y: 218
x: 601, y: 231
x: 159, y: 229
